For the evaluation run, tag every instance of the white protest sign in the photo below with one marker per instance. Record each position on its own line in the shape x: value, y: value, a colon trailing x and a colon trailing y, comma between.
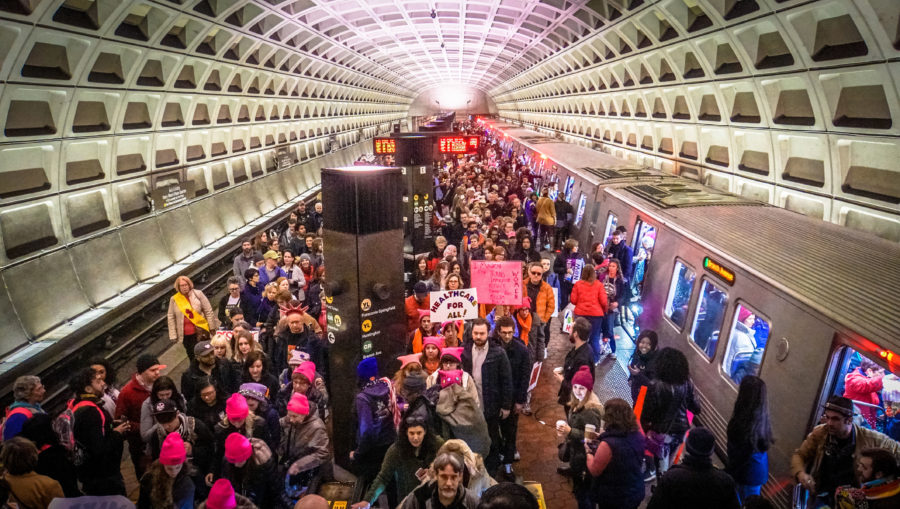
x: 454, y: 305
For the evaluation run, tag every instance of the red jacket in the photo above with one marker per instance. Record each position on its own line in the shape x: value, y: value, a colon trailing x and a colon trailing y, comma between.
x: 129, y: 403
x: 412, y: 311
x: 859, y: 387
x: 589, y: 298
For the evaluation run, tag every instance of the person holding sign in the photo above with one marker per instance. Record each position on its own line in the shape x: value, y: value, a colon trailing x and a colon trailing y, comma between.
x: 589, y: 298
x: 190, y: 316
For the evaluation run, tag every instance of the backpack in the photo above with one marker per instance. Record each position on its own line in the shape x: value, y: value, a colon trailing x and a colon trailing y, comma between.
x: 383, y: 419
x: 18, y: 410
x: 64, y: 427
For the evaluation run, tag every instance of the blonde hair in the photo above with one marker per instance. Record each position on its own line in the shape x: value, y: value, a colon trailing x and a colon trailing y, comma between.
x: 221, y: 341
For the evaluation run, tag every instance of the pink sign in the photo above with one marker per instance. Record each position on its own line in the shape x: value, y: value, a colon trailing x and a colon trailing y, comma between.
x: 497, y: 282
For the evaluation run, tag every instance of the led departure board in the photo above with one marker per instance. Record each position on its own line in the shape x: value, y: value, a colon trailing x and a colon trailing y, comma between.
x: 458, y: 144
x: 385, y: 146
x: 726, y: 274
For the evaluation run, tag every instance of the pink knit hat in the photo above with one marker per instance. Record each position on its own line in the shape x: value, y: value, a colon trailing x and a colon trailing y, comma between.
x: 173, y: 451
x: 221, y: 496
x: 236, y: 407
x: 456, y: 353
x: 237, y: 448
x: 433, y: 340
x: 307, y: 369
x: 584, y: 378
x: 298, y: 404
x: 409, y: 359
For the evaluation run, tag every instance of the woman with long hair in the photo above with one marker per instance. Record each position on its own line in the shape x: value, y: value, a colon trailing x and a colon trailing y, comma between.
x: 106, y: 372
x: 244, y: 344
x: 167, y: 483
x: 438, y: 278
x: 669, y: 398
x: 564, y: 266
x: 589, y: 297
x: 584, y: 408
x: 749, y: 437
x: 614, y: 460
x: 163, y: 388
x: 421, y: 272
x: 616, y: 295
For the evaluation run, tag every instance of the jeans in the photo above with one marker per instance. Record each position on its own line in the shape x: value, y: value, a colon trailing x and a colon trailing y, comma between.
x: 546, y: 234
x: 509, y: 428
x: 596, y: 333
x: 609, y: 329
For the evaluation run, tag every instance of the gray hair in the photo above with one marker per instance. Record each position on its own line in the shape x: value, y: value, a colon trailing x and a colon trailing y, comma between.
x: 23, y: 387
x: 448, y: 458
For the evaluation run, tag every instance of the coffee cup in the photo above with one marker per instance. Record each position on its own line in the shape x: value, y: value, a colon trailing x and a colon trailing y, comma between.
x: 560, y: 423
x: 558, y: 370
x: 590, y: 431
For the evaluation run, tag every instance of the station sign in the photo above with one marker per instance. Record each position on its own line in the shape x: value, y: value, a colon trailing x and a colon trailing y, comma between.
x: 718, y: 269
x: 385, y: 146
x: 458, y: 144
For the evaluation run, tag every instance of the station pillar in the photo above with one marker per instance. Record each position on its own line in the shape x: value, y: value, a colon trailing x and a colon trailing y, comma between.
x: 415, y: 157
x: 364, y: 292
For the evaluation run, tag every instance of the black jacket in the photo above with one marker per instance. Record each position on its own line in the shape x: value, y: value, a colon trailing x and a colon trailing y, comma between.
x: 520, y: 368
x: 305, y: 340
x: 102, y: 446
x: 258, y: 482
x: 210, y: 415
x: 222, y: 375
x: 224, y: 428
x: 496, y: 379
x: 194, y: 432
x: 223, y: 307
x: 577, y: 357
x: 695, y: 483
x: 55, y: 464
x: 666, y: 406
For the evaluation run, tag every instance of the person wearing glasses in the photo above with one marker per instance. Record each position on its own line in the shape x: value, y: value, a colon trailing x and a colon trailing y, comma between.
x: 231, y: 302
x: 542, y: 304
x: 829, y: 455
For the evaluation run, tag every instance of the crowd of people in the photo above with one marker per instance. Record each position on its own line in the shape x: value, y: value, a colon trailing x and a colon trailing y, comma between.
x: 247, y: 424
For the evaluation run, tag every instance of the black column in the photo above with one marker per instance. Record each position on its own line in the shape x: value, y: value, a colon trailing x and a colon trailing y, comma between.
x: 363, y: 243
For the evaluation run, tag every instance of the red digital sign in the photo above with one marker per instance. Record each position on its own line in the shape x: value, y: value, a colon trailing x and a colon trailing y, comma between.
x: 458, y: 144
x: 385, y: 146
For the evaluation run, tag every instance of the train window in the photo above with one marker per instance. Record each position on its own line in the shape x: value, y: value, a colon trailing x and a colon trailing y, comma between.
x: 875, y: 391
x: 642, y: 246
x: 708, y: 317
x: 611, y: 221
x: 749, y: 337
x: 680, y: 294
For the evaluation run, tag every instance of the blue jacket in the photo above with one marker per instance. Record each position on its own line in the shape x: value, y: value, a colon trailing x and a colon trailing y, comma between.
x: 264, y: 277
x: 621, y: 484
x: 14, y: 422
x: 250, y: 297
x: 375, y: 419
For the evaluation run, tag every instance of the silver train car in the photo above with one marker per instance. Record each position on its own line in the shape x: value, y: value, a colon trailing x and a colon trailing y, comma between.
x: 741, y: 288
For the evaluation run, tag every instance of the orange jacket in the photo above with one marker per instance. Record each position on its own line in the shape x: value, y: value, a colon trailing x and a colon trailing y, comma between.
x: 412, y: 311
x: 546, y: 303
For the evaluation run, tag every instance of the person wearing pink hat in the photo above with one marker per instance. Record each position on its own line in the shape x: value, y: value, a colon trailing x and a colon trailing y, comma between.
x: 452, y: 333
x: 238, y: 419
x: 304, y: 380
x: 222, y: 496
x: 251, y: 469
x: 167, y: 482
x: 304, y: 447
x: 451, y: 360
x: 431, y: 353
x: 417, y: 337
x: 584, y: 408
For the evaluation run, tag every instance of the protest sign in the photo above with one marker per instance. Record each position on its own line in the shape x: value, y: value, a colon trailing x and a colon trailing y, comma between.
x: 498, y: 282
x: 454, y: 305
x: 555, y: 300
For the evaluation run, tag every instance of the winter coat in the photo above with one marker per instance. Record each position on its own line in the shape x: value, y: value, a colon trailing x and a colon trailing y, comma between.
x: 467, y: 383
x: 193, y: 431
x: 520, y: 368
x: 478, y: 478
x: 250, y: 297
x: 148, y: 422
x: 210, y: 415
x: 624, y: 254
x: 808, y: 457
x: 621, y: 483
x: 589, y: 411
x: 304, y: 445
x: 54, y: 462
x: 316, y: 394
x: 200, y: 304
x: 400, y: 465
x: 160, y: 491
x: 546, y: 211
x: 12, y: 426
x: 92, y: 428
x: 33, y: 490
x: 129, y: 405
x: 224, y: 318
x: 577, y: 357
x: 306, y: 341
x: 546, y: 303
x: 374, y: 419
x: 264, y: 276
x: 258, y: 479
x: 496, y: 379
x: 426, y: 497
x: 460, y: 412
x: 253, y: 427
x: 589, y: 298
x: 694, y: 483
x: 666, y: 406
x: 412, y: 307
x: 859, y: 387
x: 222, y: 375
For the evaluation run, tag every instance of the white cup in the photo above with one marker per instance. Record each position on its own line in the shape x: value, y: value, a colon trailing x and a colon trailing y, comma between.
x: 590, y: 431
x: 558, y: 370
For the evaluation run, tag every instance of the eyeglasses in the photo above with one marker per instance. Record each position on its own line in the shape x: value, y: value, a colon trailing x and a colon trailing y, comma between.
x: 415, y: 421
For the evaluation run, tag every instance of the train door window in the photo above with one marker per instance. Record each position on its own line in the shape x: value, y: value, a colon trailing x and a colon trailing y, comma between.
x: 611, y: 221
x: 874, y: 390
x: 680, y: 294
x: 708, y: 317
x: 746, y: 345
x: 644, y: 240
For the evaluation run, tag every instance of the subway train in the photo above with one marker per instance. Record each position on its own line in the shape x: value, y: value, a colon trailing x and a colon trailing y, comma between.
x: 741, y: 287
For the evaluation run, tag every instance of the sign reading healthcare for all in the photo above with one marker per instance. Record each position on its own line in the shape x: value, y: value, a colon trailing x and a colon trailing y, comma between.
x: 454, y: 305
x: 498, y: 282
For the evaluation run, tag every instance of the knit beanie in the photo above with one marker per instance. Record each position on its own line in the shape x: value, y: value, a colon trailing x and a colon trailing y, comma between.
x: 700, y: 442
x: 237, y: 448
x: 583, y: 377
x: 236, y: 408
x: 173, y: 451
x: 298, y: 404
x: 367, y: 369
x: 307, y: 369
x: 221, y: 496
x: 297, y: 356
x: 415, y: 382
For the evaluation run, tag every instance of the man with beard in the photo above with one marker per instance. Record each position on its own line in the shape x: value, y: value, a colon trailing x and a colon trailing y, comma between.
x: 243, y: 260
x: 298, y: 335
x: 446, y: 491
x: 206, y: 364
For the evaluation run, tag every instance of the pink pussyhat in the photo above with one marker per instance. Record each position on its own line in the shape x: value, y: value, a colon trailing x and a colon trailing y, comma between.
x: 237, y: 448
x: 221, y: 496
x: 433, y: 340
x: 456, y: 353
x: 409, y: 359
x: 236, y: 408
x: 173, y: 451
